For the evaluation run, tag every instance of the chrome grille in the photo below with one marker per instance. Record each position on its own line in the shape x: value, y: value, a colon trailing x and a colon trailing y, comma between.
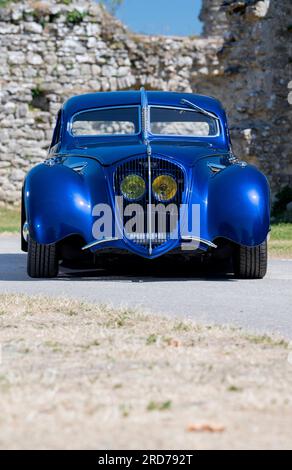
x: 159, y: 166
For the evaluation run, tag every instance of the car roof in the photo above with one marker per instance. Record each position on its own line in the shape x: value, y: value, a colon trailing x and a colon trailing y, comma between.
x: 126, y: 98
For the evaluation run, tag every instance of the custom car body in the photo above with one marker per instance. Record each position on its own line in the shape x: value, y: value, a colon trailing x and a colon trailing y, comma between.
x: 166, y: 153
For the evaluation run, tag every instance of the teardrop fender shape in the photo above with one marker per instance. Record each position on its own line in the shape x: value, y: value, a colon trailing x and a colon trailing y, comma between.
x: 239, y: 205
x: 59, y: 201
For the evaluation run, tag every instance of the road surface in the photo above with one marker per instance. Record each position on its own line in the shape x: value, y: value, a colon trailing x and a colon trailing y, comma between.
x: 263, y: 306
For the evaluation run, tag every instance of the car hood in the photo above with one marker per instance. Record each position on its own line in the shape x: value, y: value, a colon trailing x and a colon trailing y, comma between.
x: 186, y: 153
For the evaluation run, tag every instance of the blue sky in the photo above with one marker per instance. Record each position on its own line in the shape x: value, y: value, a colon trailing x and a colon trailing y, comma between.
x: 174, y: 17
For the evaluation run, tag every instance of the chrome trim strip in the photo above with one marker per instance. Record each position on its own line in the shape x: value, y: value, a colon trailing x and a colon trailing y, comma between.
x: 25, y: 231
x: 216, y: 167
x: 145, y: 130
x: 200, y: 240
x: 149, y: 199
x: 98, y: 242
x: 186, y: 238
x: 145, y: 115
x: 78, y: 167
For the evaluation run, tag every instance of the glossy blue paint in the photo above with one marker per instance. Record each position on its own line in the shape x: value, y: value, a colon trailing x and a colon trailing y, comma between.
x: 237, y: 203
x: 234, y: 203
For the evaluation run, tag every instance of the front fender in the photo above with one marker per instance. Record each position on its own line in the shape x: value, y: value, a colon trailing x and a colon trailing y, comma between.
x: 59, y: 201
x: 239, y: 205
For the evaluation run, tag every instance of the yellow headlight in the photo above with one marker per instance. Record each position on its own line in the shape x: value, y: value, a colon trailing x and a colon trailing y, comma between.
x: 164, y: 187
x: 133, y: 187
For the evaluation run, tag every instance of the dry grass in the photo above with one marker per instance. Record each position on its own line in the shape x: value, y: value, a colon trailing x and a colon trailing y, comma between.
x: 75, y: 375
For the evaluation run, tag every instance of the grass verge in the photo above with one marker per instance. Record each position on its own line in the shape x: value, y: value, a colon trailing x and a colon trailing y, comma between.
x: 9, y: 220
x: 280, y: 244
x: 86, y: 376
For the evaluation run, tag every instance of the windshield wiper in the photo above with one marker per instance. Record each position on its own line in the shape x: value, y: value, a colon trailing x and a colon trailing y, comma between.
x: 197, y: 108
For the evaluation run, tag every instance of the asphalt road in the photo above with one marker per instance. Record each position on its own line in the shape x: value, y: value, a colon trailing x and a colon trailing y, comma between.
x: 263, y: 306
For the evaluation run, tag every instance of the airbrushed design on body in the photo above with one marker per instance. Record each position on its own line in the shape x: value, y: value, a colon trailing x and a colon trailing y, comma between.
x: 124, y: 148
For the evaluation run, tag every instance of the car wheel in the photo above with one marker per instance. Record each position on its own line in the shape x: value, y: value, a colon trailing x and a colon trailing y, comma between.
x: 251, y: 262
x: 42, y: 260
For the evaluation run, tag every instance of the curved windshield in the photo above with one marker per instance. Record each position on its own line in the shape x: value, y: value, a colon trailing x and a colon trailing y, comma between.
x: 107, y: 121
x: 181, y: 122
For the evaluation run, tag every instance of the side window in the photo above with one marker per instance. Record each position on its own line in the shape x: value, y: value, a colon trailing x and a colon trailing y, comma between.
x: 57, y: 131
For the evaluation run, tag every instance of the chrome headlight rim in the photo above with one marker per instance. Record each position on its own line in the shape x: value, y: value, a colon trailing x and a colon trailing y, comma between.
x: 25, y: 231
x: 174, y: 189
x: 142, y: 182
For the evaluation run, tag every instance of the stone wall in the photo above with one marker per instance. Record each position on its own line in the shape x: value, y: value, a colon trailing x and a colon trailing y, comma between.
x: 257, y: 62
x: 213, y: 17
x: 52, y: 50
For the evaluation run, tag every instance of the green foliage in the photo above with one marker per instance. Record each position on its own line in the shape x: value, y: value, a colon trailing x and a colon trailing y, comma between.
x: 65, y: 2
x: 234, y: 388
x: 5, y: 3
x: 36, y: 92
x: 42, y: 15
x: 279, y: 212
x: 281, y: 231
x: 282, y: 198
x: 159, y: 406
x: 75, y: 17
x: 39, y: 99
x: 151, y: 339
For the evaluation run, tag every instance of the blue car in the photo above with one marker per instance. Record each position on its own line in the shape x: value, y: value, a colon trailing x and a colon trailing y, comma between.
x: 149, y: 174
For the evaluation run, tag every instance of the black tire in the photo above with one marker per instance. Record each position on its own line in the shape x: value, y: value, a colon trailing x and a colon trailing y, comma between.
x: 42, y: 260
x: 251, y: 263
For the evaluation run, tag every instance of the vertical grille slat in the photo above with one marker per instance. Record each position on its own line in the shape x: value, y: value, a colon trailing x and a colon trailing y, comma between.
x: 159, y: 166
